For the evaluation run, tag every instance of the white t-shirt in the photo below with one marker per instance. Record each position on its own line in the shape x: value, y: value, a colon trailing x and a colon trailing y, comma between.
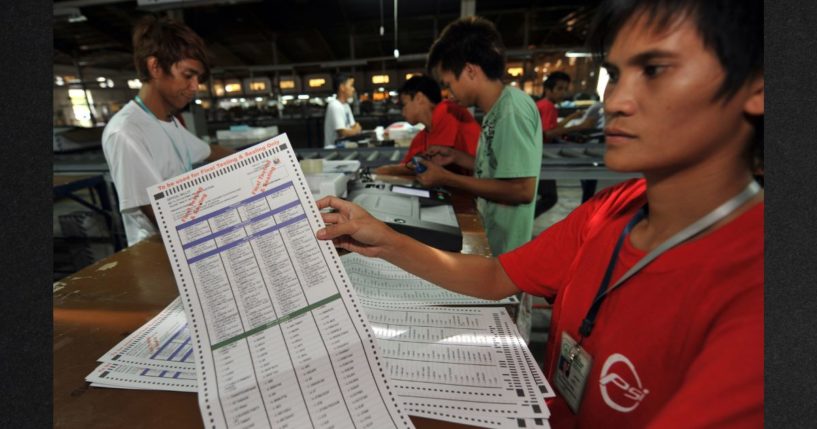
x: 338, y: 115
x: 140, y: 153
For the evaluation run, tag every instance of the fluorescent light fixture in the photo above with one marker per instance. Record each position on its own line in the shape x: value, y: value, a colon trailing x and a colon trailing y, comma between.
x: 303, y: 97
x: 287, y: 98
x: 396, y: 53
x: 578, y: 54
x: 198, y: 101
x: 101, y: 79
x: 259, y: 99
x: 393, y: 93
x: 134, y: 83
x: 242, y: 99
x: 110, y: 83
x: 234, y: 100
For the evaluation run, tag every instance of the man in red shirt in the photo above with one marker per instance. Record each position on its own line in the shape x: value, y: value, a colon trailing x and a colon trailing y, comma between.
x: 446, y: 123
x: 657, y: 282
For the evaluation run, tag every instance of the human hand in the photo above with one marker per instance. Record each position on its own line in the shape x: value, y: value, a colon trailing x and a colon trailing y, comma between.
x: 434, y: 175
x: 352, y: 228
x: 441, y: 155
x: 574, y: 115
x: 357, y: 128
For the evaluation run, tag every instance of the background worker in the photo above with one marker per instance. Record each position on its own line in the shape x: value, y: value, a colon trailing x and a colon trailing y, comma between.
x: 469, y: 59
x: 446, y: 123
x: 339, y: 121
x: 144, y: 143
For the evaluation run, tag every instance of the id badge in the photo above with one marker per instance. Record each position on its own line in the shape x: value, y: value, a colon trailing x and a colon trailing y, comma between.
x: 572, y: 371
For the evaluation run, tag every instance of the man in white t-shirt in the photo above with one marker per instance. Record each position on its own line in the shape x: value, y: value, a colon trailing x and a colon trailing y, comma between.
x: 339, y: 121
x: 144, y: 143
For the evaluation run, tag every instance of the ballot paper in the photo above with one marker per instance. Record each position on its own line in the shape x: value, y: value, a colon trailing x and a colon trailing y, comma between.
x: 162, y: 343
x: 278, y: 335
x: 381, y: 283
x: 119, y: 376
x: 424, y: 348
x: 462, y: 364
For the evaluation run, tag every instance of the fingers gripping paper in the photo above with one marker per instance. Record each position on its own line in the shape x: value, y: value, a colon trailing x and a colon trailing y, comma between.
x: 278, y: 334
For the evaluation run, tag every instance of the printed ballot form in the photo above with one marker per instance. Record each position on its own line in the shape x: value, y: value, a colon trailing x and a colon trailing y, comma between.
x: 277, y: 332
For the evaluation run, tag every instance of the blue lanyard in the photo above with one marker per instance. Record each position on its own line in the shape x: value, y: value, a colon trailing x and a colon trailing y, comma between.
x: 685, y: 234
x: 590, y: 318
x: 186, y: 162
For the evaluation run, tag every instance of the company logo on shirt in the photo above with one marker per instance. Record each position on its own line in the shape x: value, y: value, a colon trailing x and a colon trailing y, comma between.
x: 620, y: 386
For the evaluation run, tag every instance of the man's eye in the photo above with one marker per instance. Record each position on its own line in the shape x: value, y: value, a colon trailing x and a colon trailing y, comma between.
x: 652, y: 70
x: 612, y: 75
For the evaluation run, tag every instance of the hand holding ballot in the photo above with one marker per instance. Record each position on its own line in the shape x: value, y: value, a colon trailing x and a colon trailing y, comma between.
x: 354, y: 229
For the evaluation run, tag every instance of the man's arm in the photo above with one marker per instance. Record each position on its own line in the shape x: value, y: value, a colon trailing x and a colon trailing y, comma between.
x: 506, y: 191
x: 352, y: 228
x: 148, y: 211
x: 445, y: 155
x: 218, y: 152
x: 346, y: 132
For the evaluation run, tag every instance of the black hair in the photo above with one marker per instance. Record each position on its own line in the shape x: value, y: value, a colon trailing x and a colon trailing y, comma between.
x: 471, y: 40
x: 733, y: 29
x: 552, y: 79
x: 424, y: 84
x: 339, y: 79
x: 169, y: 41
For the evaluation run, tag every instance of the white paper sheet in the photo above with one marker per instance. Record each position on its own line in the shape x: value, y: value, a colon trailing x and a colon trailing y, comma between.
x: 460, y: 363
x: 132, y: 377
x: 162, y: 343
x: 381, y: 283
x: 278, y: 335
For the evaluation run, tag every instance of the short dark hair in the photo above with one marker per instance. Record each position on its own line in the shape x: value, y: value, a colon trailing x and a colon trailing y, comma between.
x: 472, y: 40
x: 424, y: 84
x: 167, y: 40
x: 340, y: 78
x: 552, y: 79
x: 733, y: 29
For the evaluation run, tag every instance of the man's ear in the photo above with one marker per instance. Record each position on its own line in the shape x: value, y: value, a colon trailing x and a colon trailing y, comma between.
x: 755, y: 103
x: 154, y: 69
x: 470, y: 70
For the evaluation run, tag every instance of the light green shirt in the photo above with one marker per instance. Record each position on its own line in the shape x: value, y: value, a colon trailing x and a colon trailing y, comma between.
x: 510, y: 146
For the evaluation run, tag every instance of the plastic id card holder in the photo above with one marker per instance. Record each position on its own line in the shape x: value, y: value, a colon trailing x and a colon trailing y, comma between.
x: 572, y: 371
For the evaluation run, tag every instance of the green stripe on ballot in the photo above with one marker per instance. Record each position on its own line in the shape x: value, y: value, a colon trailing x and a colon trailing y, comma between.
x: 275, y: 322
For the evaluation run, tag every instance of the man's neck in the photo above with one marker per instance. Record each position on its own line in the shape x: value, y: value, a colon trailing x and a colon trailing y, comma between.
x: 153, y: 101
x: 677, y: 200
x: 427, y: 116
x: 489, y: 93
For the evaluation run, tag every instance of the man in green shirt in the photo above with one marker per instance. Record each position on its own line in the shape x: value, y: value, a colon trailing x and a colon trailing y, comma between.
x: 469, y: 59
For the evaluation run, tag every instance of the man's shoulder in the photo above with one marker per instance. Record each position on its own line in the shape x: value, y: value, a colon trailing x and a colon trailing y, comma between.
x: 334, y: 103
x: 124, y: 122
x: 448, y: 110
x: 516, y: 101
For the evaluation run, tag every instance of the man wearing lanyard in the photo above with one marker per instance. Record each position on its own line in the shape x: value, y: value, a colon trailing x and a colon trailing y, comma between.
x: 657, y: 282
x: 144, y: 143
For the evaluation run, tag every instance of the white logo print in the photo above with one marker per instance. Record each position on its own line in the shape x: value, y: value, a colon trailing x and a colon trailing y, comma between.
x: 622, y: 395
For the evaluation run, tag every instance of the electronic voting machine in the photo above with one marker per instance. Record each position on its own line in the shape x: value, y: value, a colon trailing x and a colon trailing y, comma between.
x: 426, y: 215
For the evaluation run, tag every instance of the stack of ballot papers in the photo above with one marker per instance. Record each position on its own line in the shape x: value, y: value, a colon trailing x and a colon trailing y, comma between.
x: 461, y: 364
x: 267, y: 314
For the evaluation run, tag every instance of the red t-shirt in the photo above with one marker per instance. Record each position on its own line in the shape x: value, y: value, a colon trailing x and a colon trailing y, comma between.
x: 547, y: 111
x: 686, y: 331
x: 451, y: 125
